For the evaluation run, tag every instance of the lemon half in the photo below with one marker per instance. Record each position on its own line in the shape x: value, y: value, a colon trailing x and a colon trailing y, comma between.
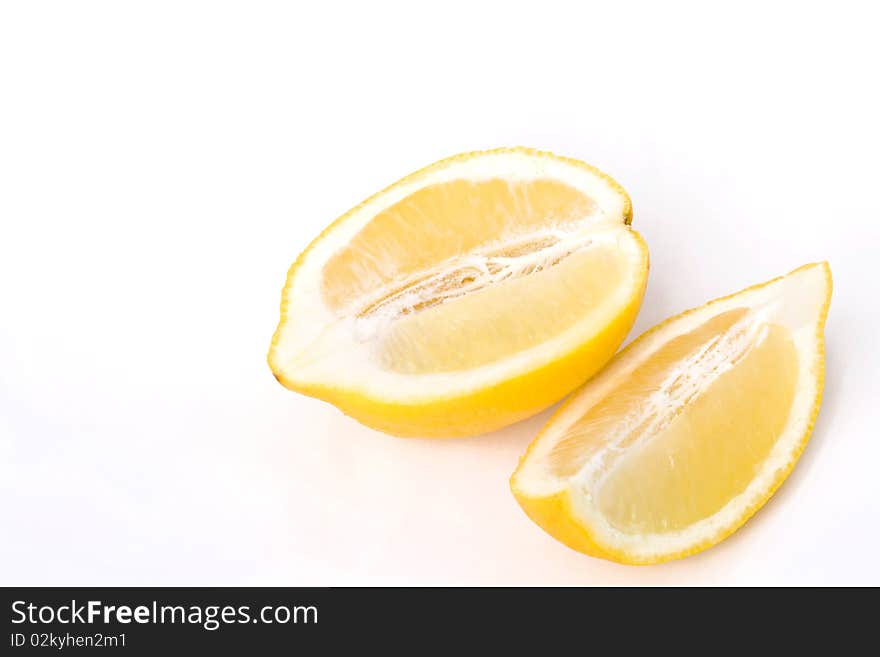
x: 467, y: 296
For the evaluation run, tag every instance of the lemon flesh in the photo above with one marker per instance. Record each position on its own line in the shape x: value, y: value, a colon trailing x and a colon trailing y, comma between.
x: 438, y: 224
x: 713, y: 442
x: 505, y: 317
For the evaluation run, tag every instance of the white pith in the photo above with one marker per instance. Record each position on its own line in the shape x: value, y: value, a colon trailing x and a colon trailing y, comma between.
x: 797, y: 302
x: 476, y: 271
x: 319, y: 346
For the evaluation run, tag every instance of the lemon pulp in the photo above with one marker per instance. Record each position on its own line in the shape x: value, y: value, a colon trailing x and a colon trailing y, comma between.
x: 484, y: 326
x: 441, y: 222
x: 509, y: 266
x: 705, y: 440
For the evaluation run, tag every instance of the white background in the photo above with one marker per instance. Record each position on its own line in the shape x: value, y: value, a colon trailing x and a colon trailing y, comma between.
x: 162, y: 164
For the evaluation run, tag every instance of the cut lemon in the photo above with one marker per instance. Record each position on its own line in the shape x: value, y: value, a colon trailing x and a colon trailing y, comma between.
x: 688, y: 431
x: 465, y: 297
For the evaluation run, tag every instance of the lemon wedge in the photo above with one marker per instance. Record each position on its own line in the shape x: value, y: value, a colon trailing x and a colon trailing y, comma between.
x: 688, y: 431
